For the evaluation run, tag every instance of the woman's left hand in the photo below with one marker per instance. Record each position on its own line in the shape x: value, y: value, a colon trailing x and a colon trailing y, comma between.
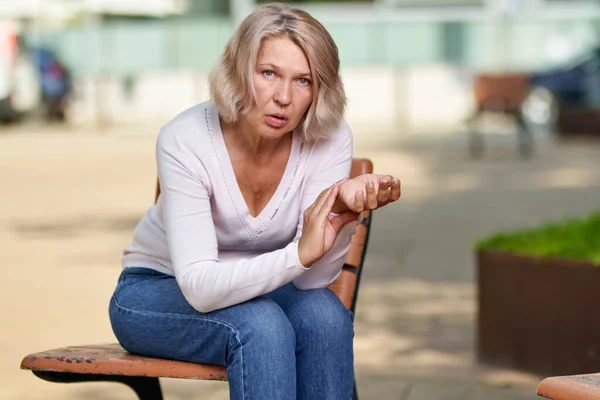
x: 367, y: 192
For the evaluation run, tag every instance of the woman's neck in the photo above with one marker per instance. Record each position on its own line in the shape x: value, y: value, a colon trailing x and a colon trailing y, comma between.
x: 241, y: 135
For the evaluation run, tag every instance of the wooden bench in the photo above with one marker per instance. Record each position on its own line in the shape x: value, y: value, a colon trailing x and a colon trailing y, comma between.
x: 110, y: 362
x: 573, y: 387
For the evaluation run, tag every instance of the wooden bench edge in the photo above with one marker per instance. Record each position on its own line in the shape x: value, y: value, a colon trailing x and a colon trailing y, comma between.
x: 74, y: 360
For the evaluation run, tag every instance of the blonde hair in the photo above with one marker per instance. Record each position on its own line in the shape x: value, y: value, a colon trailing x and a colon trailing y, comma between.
x: 231, y: 79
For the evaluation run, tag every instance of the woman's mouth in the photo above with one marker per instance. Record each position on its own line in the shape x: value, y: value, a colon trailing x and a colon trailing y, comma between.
x: 276, y: 120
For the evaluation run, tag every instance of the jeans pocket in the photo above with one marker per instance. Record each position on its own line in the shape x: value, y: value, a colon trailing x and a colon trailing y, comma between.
x: 121, y: 285
x: 128, y: 277
x: 139, y: 271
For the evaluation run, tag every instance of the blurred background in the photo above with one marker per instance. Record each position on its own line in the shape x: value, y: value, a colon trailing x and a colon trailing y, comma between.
x: 487, y: 110
x: 110, y: 62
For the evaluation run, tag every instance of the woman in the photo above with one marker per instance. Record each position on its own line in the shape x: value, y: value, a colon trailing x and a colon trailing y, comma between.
x: 232, y: 264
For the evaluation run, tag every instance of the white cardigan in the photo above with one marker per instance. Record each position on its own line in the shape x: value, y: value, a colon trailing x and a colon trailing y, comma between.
x: 201, y: 231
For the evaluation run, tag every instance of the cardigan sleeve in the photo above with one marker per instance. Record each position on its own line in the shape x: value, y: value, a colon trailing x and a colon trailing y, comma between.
x: 207, y: 283
x: 337, y: 161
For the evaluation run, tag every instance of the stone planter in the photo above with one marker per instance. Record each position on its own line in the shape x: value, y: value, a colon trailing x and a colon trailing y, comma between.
x: 539, y: 315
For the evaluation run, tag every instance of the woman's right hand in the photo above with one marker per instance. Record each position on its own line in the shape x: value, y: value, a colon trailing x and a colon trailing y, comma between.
x: 319, y: 231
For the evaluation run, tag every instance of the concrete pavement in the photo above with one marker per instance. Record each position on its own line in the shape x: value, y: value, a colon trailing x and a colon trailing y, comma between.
x: 70, y: 200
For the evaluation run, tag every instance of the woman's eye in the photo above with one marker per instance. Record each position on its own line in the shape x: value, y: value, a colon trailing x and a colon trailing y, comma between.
x: 304, y: 81
x: 268, y: 73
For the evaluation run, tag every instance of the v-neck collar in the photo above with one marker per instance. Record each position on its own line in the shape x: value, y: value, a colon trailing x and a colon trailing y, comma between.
x: 235, y: 193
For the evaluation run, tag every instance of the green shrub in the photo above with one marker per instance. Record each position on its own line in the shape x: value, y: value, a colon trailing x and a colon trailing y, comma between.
x: 573, y: 238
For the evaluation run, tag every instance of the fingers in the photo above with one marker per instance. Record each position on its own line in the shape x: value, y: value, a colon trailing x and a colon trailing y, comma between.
x: 322, y: 198
x: 318, y: 202
x: 329, y: 201
x: 395, y: 190
x: 339, y: 221
x: 387, y: 192
x: 371, y: 201
x: 383, y: 194
x: 359, y: 201
x: 324, y: 202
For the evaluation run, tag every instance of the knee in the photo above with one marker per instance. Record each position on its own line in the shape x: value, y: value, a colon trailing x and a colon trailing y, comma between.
x: 265, y: 325
x: 324, y: 318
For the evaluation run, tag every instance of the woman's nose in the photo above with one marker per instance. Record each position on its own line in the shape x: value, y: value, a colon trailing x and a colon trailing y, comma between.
x: 283, y: 94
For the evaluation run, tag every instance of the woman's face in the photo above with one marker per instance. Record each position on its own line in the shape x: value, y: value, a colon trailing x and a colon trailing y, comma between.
x: 283, y: 85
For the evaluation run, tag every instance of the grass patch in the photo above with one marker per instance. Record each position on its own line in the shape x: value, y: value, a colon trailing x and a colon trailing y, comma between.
x: 574, y: 239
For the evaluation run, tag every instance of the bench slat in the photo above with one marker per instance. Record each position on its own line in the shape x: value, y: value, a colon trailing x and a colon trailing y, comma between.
x: 573, y: 387
x: 112, y: 359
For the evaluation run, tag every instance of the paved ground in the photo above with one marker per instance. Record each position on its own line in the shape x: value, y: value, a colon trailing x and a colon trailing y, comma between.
x: 70, y: 199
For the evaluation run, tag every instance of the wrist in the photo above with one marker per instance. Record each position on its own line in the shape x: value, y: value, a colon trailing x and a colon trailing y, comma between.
x: 303, y: 257
x: 339, y: 206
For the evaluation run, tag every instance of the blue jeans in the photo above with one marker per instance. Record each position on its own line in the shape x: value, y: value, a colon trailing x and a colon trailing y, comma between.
x: 288, y: 344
